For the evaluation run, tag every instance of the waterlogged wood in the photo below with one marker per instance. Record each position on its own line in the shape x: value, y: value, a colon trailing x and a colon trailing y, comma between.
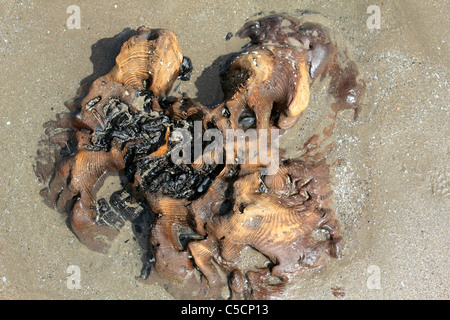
x: 203, y: 215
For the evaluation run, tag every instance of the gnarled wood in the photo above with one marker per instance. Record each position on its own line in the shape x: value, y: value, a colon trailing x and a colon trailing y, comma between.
x: 204, y: 215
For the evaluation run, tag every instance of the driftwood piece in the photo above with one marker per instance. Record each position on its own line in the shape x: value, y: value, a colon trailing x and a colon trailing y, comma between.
x: 205, y: 214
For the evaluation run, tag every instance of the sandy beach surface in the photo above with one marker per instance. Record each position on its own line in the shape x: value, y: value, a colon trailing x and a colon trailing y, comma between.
x: 391, y: 189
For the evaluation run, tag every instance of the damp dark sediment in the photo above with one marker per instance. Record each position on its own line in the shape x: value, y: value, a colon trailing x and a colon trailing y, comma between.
x: 174, y: 180
x: 143, y: 133
x: 123, y: 126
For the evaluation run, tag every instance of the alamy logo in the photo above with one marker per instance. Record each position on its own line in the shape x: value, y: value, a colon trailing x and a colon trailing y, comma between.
x: 374, y: 21
x: 374, y: 279
x: 258, y: 147
x: 74, y: 279
x: 74, y: 20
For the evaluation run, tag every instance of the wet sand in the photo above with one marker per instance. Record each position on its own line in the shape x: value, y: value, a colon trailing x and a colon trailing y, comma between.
x: 391, y: 187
